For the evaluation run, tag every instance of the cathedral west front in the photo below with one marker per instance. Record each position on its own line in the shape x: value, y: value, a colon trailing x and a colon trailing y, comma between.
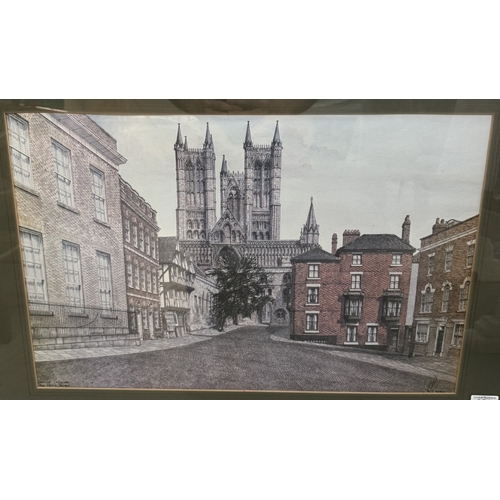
x: 250, y: 212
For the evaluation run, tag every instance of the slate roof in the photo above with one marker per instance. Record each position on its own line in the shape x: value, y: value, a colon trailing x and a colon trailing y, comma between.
x: 377, y: 242
x: 316, y: 254
x: 166, y: 248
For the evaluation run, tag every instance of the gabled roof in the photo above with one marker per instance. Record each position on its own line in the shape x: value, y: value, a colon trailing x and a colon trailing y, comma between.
x: 317, y: 255
x: 377, y: 242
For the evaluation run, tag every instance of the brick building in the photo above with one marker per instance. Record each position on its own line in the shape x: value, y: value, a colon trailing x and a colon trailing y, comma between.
x: 357, y: 294
x: 444, y: 273
x: 140, y: 243
x: 67, y: 187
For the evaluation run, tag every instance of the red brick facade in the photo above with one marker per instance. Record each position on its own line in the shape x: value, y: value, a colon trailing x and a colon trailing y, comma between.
x: 361, y: 292
x: 444, y: 273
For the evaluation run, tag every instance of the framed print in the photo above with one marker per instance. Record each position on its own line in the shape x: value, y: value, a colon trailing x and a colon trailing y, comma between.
x: 333, y: 249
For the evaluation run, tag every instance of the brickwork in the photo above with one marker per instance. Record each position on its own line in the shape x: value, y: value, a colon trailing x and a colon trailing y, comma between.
x: 77, y: 221
x: 444, y: 272
x: 140, y: 242
x: 362, y: 292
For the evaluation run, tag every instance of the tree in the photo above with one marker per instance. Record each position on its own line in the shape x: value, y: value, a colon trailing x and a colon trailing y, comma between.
x: 242, y: 286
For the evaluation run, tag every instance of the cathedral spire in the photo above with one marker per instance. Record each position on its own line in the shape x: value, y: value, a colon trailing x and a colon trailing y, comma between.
x: 276, y: 138
x: 224, y: 165
x: 248, y: 136
x: 178, y: 142
x: 310, y: 232
x: 185, y: 142
x: 208, y: 136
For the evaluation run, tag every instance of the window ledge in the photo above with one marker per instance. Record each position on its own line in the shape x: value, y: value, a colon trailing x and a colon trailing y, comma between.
x: 27, y: 189
x: 351, y: 343
x: 78, y: 315
x: 102, y: 223
x: 396, y: 265
x: 67, y: 207
x: 356, y: 265
x: 108, y: 316
x: 312, y: 304
x: 311, y: 331
x: 35, y: 312
x: 371, y: 343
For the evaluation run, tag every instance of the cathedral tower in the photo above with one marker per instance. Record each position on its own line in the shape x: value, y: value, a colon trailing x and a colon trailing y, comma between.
x: 262, y: 188
x: 196, y: 201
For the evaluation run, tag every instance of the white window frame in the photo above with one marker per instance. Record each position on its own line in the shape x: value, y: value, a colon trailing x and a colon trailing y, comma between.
x: 312, y: 314
x: 351, y: 334
x: 313, y: 270
x: 63, y: 174
x: 311, y: 294
x: 130, y: 274
x: 469, y: 258
x: 397, y: 259
x: 34, y: 266
x: 73, y: 275
x: 458, y: 335
x: 431, y: 260
x: 445, y: 299
x: 126, y: 229
x: 426, y: 305
x: 19, y: 143
x: 105, y: 280
x: 426, y: 339
x: 372, y: 333
x: 99, y: 194
x: 394, y: 281
x: 353, y: 306
x: 357, y: 259
x: 356, y: 281
x: 463, y: 296
x: 448, y: 258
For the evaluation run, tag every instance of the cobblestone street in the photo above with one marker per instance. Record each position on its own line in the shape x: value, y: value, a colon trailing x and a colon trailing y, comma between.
x: 244, y: 358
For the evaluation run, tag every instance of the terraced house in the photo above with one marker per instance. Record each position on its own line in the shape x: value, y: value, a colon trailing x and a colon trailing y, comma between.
x: 67, y: 187
x: 444, y: 274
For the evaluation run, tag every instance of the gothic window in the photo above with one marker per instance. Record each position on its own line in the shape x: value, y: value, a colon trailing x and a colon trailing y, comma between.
x: 202, y: 235
x: 189, y: 224
x: 427, y: 300
x: 189, y: 235
x: 196, y: 235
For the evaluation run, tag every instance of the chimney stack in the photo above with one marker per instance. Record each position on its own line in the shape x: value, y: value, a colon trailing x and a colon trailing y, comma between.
x: 406, y: 230
x: 438, y: 226
x: 334, y: 243
x: 349, y: 236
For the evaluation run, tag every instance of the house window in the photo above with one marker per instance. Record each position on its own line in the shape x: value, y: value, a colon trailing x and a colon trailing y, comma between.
x: 448, y: 258
x: 34, y: 269
x: 470, y: 253
x: 355, y: 281
x: 144, y: 314
x: 153, y: 247
x: 148, y: 279
x: 396, y: 259
x: 372, y: 333
x: 143, y: 278
x: 134, y: 235
x: 446, y: 298
x: 356, y: 259
x: 392, y: 308
x: 463, y: 295
x: 155, y: 282
x: 62, y: 167
x: 126, y: 229
x: 313, y: 271
x: 430, y: 265
x: 99, y: 195
x: 141, y: 239
x: 458, y: 333
x: 312, y: 322
x: 422, y: 332
x: 394, y: 283
x: 427, y: 300
x: 104, y: 270
x: 130, y: 279
x: 352, y: 334
x: 136, y: 275
x: 147, y: 243
x: 313, y: 295
x: 73, y: 274
x: 353, y: 306
x: 156, y: 314
x: 19, y: 150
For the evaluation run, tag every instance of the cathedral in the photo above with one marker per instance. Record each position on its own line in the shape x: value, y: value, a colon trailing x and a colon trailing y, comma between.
x: 250, y: 212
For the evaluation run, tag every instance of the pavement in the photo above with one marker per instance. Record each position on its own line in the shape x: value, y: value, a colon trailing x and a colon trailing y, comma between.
x: 428, y: 366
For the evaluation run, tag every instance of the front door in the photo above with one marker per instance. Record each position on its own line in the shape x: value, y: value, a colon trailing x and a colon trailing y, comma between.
x: 439, y: 341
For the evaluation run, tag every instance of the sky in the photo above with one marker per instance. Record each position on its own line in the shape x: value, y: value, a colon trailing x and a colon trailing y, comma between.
x: 364, y: 172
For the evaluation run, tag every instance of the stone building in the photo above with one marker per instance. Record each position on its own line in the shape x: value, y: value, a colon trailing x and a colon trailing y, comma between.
x: 140, y: 243
x: 356, y: 295
x: 177, y: 282
x: 201, y: 301
x: 67, y: 187
x: 250, y: 213
x: 444, y: 273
